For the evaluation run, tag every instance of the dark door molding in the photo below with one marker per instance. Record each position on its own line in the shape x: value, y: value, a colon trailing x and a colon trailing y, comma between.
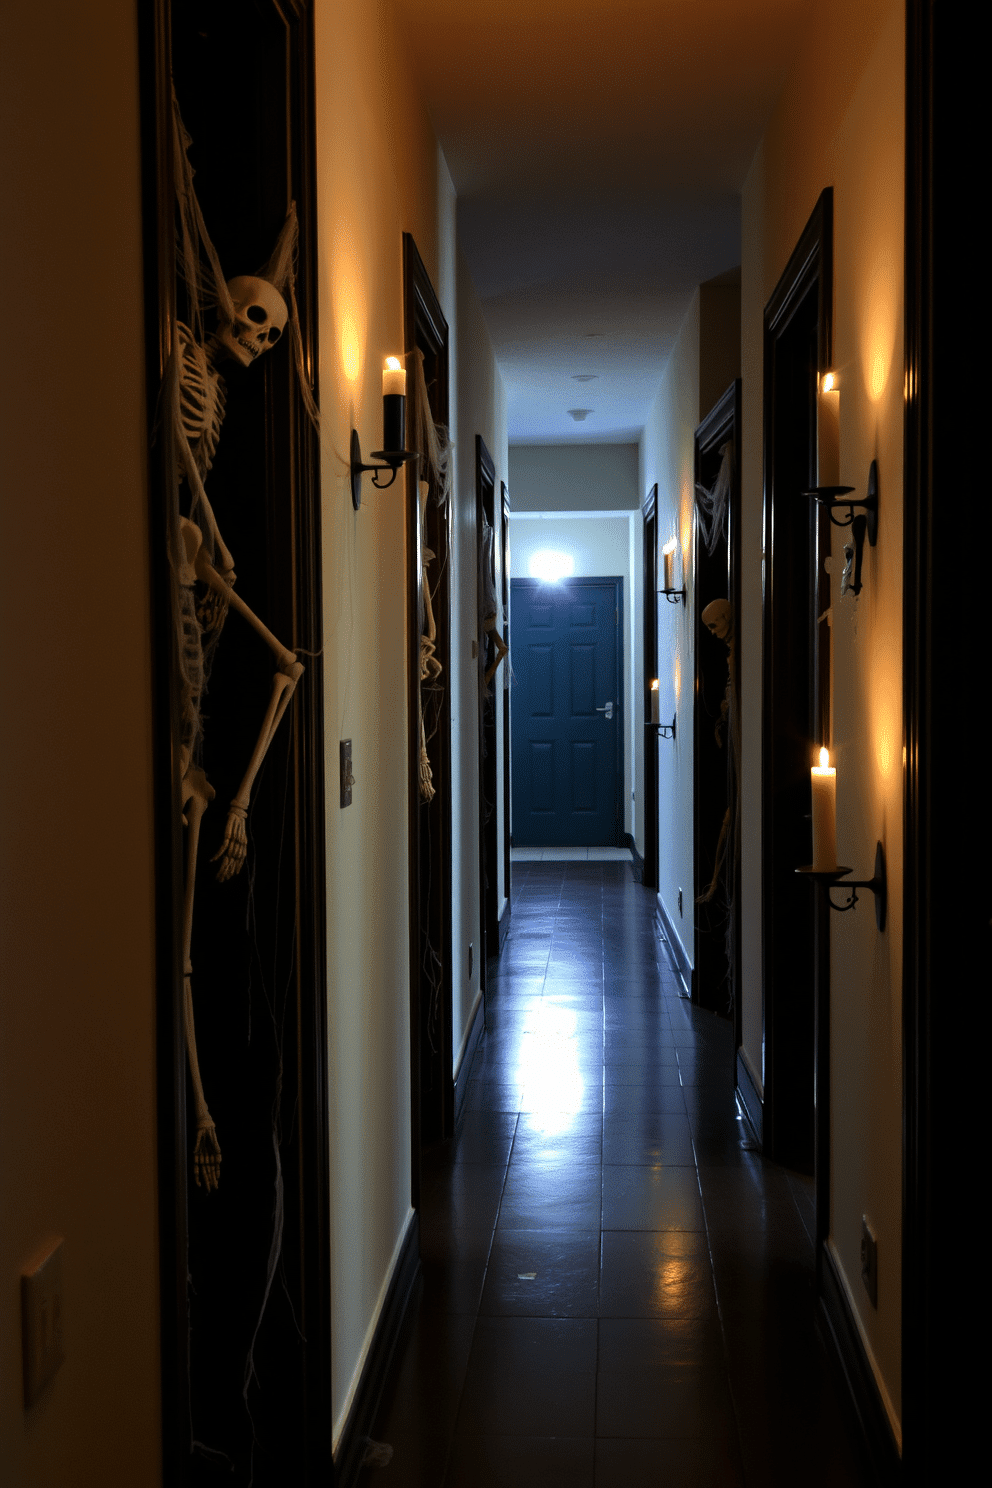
x: 715, y: 782
x: 276, y: 537
x: 485, y: 513
x: 504, y: 691
x: 947, y: 883
x: 649, y: 622
x: 432, y: 1083
x: 797, y: 348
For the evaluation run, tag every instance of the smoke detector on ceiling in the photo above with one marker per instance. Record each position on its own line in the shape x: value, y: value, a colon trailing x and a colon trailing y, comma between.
x: 579, y: 414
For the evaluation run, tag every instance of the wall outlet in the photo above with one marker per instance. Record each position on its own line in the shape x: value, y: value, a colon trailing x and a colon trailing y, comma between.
x: 869, y: 1260
x: 41, y: 1319
x: 680, y: 901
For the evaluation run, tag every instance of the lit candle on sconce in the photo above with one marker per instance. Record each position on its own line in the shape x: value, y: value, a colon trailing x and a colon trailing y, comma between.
x: 655, y: 713
x: 828, y: 431
x: 824, y: 784
x: 393, y: 405
x: 668, y: 556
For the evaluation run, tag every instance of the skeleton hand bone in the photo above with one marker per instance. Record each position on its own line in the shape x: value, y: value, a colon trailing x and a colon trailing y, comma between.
x: 206, y: 1156
x: 234, y: 849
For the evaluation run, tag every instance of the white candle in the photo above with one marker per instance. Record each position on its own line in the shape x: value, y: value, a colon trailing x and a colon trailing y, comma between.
x: 393, y: 379
x: 655, y: 711
x: 824, y: 782
x: 667, y: 553
x: 828, y: 431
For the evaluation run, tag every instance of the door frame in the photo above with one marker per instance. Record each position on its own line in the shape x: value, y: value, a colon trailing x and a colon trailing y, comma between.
x: 485, y: 511
x: 306, y: 1160
x: 504, y: 550
x: 721, y: 424
x: 429, y: 822
x: 649, y: 626
x: 793, y: 1033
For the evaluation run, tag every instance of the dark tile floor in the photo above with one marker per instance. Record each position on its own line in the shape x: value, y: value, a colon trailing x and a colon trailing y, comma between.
x: 617, y: 1289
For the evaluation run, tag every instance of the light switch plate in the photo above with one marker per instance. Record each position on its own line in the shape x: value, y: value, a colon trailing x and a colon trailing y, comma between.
x: 41, y: 1319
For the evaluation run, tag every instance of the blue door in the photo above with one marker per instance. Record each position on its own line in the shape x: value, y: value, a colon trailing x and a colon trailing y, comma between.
x: 566, y: 713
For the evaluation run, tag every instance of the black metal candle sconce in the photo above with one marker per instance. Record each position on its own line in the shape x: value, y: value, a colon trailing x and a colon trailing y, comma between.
x: 667, y: 730
x: 388, y: 459
x: 837, y: 877
x: 674, y: 596
x: 863, y: 525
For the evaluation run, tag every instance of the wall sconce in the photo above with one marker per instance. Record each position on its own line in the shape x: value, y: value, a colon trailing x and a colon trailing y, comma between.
x: 393, y: 435
x: 667, y: 730
x: 669, y: 590
x: 833, y: 497
x: 824, y: 868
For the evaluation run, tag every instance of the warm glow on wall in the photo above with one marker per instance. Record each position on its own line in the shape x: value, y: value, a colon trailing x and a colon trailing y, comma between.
x: 880, y: 323
x: 685, y: 531
x: 350, y: 313
x: 677, y: 676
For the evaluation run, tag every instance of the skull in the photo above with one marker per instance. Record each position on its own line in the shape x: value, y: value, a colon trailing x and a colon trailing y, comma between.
x: 260, y: 317
x: 719, y: 618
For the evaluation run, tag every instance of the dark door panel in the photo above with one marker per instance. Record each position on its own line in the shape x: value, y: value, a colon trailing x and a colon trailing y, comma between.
x: 566, y: 717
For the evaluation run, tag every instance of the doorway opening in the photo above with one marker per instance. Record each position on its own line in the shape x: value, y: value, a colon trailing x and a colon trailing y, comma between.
x: 795, y: 704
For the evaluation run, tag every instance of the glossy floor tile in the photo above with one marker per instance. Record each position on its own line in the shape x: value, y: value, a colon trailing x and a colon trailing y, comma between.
x: 616, y: 1288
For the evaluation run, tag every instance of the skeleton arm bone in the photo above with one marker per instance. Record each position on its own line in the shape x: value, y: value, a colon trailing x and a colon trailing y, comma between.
x: 234, y: 848
x: 197, y: 792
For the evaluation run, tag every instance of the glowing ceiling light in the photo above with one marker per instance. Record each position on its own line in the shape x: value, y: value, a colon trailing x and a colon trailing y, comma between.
x: 550, y: 565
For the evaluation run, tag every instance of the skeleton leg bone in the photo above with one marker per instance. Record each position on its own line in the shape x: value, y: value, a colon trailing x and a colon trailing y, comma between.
x: 197, y: 793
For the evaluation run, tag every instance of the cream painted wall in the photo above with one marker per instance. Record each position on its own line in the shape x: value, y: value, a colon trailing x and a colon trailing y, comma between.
x: 481, y: 410
x: 379, y: 173
x: 667, y: 457
x: 77, y: 981
x: 839, y: 122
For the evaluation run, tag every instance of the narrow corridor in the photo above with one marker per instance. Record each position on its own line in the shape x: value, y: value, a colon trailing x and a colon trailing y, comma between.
x: 617, y: 1289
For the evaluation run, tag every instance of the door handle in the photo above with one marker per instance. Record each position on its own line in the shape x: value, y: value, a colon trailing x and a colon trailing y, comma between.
x: 607, y: 709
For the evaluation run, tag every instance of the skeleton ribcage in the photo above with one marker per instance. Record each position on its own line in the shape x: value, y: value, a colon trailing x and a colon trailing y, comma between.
x: 201, y: 400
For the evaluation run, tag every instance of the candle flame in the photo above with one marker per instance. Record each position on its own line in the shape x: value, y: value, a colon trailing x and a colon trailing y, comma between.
x: 393, y: 364
x: 824, y: 759
x: 669, y: 546
x: 829, y: 383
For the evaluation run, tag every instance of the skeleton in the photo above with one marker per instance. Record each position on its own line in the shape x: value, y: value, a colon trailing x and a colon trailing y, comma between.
x: 252, y: 316
x: 718, y: 617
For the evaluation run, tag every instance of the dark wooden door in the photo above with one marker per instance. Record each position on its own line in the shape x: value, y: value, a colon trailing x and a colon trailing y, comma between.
x: 567, y: 713
x: 246, y: 1319
x: 795, y: 673
x: 716, y: 733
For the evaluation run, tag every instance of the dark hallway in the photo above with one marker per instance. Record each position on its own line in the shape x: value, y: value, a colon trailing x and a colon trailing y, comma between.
x: 617, y: 1289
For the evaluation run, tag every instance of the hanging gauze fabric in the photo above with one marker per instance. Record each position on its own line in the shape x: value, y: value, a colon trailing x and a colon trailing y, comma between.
x: 432, y: 443
x: 712, y: 505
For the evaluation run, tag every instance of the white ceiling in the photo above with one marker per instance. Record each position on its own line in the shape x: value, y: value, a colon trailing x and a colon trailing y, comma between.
x: 598, y: 148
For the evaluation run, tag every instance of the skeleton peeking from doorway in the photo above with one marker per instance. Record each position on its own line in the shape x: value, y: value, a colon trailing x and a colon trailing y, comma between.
x: 252, y: 315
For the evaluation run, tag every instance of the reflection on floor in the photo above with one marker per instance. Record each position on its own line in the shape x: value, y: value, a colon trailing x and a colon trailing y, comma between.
x: 570, y: 854
x: 617, y: 1289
